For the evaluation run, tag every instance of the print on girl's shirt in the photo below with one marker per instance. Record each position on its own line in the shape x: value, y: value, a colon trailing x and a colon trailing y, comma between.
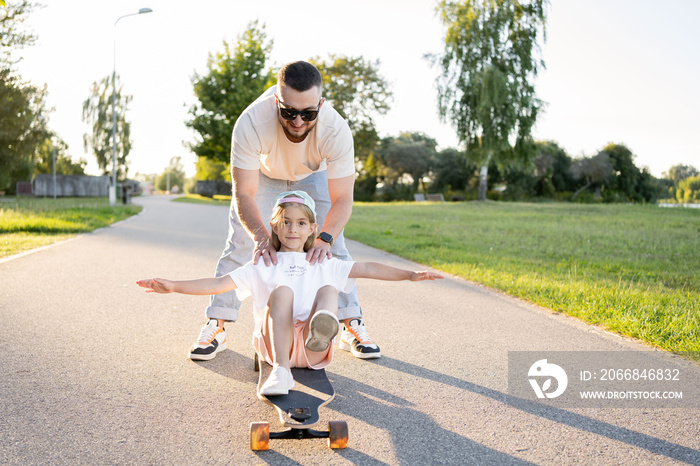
x: 296, y: 271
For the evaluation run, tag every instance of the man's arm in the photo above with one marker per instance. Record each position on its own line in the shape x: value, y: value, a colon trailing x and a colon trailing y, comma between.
x: 245, y: 187
x: 340, y: 191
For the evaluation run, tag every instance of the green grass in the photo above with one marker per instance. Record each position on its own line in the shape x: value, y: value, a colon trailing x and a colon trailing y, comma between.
x: 197, y: 199
x: 631, y: 269
x: 28, y: 223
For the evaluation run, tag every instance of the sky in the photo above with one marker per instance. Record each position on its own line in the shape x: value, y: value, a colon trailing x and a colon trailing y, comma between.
x: 622, y: 71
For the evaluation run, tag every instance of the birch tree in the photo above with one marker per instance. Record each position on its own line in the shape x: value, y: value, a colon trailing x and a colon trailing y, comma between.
x: 486, y: 87
x: 97, y: 112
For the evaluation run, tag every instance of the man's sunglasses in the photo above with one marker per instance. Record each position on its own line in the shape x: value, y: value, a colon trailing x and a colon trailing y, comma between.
x: 291, y: 114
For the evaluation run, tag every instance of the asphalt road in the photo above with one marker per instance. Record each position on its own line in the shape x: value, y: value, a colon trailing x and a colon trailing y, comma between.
x: 94, y: 370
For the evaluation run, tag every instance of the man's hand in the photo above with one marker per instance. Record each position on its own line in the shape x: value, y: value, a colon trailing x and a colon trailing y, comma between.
x: 340, y: 191
x: 319, y: 252
x: 264, y: 249
x: 245, y: 188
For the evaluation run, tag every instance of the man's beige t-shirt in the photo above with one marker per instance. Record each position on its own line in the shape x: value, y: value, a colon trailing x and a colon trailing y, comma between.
x: 259, y: 142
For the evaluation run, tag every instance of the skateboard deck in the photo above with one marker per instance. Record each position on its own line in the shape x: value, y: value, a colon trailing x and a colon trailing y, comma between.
x: 299, y: 409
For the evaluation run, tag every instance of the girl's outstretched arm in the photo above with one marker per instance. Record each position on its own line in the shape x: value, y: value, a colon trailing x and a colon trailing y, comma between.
x: 379, y: 271
x: 200, y: 286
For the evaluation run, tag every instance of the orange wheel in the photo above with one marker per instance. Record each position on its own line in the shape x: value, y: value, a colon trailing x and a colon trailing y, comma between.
x: 338, y: 434
x: 259, y: 436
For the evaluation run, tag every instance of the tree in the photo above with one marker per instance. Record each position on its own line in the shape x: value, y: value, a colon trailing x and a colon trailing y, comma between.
x: 451, y: 170
x: 625, y: 177
x: 409, y: 154
x: 97, y: 112
x: 552, y: 162
x: 235, y: 78
x: 679, y: 172
x: 64, y: 163
x: 486, y: 84
x: 173, y: 175
x: 689, y: 189
x: 366, y: 182
x: 357, y: 90
x: 208, y: 169
x: 591, y: 171
x: 649, y: 188
x: 21, y: 128
x: 12, y: 36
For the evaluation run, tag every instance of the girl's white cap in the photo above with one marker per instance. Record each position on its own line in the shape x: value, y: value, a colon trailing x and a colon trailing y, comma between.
x: 299, y: 197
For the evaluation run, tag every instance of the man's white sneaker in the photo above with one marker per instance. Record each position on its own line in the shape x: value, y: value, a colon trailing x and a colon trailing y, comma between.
x: 212, y: 339
x: 356, y: 340
x: 323, y: 328
x: 279, y: 382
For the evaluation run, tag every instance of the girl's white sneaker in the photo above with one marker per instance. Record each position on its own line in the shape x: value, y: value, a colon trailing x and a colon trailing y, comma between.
x: 279, y: 382
x: 323, y: 328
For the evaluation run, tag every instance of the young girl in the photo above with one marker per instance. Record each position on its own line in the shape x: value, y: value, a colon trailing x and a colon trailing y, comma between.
x: 295, y: 303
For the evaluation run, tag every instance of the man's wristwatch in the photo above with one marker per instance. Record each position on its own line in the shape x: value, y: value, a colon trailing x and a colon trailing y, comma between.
x: 323, y: 236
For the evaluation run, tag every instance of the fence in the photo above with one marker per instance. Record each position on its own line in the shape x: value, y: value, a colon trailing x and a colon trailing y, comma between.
x: 71, y: 185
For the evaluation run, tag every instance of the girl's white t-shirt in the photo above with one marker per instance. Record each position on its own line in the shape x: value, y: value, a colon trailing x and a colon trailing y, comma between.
x: 294, y: 271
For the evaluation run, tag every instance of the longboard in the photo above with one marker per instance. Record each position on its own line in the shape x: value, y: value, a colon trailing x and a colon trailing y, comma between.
x: 299, y: 410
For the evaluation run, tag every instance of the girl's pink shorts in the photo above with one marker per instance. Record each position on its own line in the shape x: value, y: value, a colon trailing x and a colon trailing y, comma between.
x: 298, y: 356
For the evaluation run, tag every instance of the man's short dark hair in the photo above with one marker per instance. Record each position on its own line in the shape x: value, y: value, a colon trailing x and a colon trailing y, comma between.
x: 300, y: 76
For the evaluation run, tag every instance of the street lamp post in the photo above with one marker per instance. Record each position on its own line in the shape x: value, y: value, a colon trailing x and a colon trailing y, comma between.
x: 113, y: 188
x: 53, y: 156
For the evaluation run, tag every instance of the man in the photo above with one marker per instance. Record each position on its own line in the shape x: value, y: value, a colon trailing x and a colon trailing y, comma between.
x: 288, y: 139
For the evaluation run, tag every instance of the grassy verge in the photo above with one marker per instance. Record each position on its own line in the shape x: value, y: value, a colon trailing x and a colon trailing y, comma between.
x: 197, y: 199
x: 630, y: 269
x: 28, y: 223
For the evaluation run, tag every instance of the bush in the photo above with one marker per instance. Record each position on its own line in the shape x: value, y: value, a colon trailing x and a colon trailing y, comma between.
x: 191, y: 185
x: 365, y: 188
x: 395, y: 192
x: 689, y: 190
x: 586, y: 197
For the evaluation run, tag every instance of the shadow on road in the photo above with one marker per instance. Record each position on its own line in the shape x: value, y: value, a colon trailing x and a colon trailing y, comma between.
x: 417, y: 438
x: 233, y: 365
x: 578, y: 421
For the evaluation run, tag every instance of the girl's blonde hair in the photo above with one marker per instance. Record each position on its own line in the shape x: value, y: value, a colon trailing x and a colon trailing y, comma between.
x: 278, y: 218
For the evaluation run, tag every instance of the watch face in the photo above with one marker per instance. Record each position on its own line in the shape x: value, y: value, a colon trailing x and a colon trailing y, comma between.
x: 326, y: 237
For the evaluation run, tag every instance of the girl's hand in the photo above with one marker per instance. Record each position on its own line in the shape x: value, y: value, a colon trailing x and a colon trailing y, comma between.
x: 156, y: 285
x: 425, y: 275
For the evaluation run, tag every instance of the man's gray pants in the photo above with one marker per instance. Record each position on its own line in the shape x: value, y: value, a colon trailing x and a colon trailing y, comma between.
x: 239, y: 246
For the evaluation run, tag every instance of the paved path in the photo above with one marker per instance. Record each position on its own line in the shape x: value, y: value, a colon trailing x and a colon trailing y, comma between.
x: 93, y: 370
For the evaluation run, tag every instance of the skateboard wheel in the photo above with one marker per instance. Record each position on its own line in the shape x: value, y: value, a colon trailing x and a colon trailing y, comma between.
x: 256, y: 362
x: 259, y: 436
x: 338, y: 434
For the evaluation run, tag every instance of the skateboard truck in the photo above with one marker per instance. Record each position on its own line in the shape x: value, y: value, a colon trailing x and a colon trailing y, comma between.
x: 299, y: 414
x: 260, y: 435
